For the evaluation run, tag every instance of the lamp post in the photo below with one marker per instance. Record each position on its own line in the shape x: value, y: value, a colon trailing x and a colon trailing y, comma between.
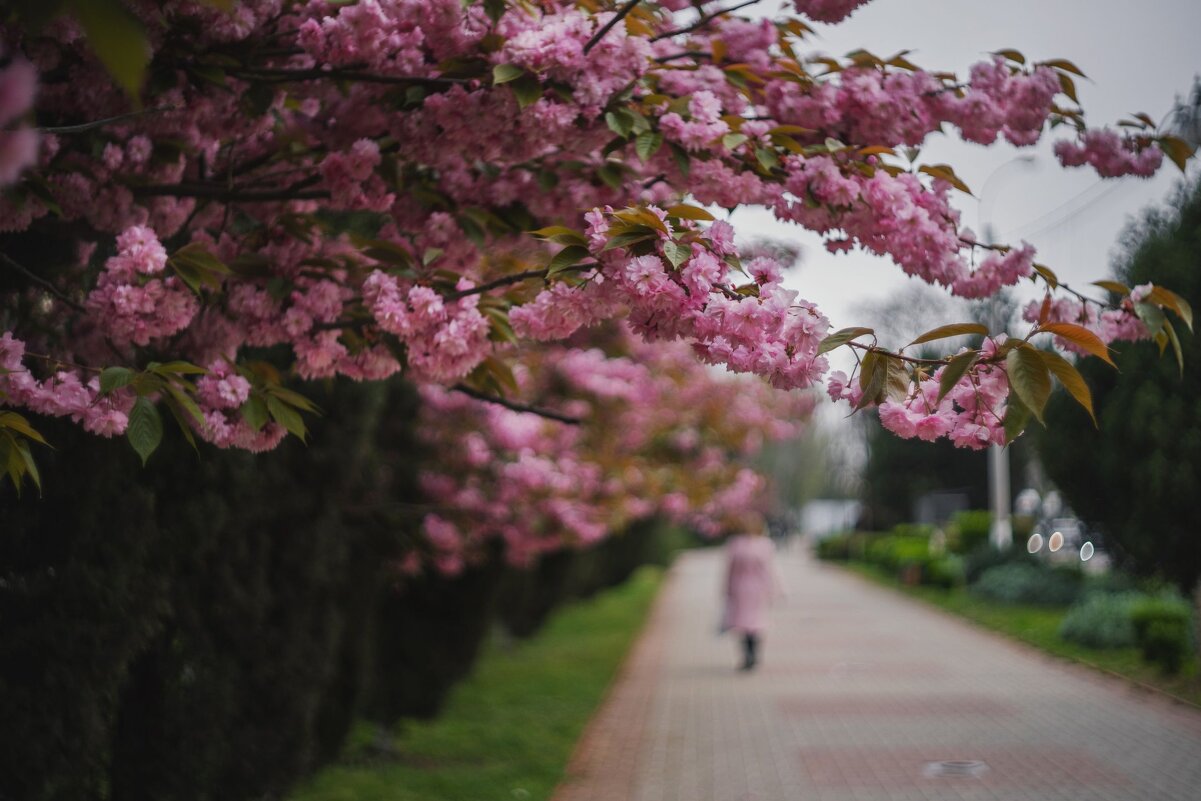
x: 1000, y: 533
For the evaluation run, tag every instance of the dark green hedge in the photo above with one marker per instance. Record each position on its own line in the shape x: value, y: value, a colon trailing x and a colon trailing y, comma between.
x: 210, y: 627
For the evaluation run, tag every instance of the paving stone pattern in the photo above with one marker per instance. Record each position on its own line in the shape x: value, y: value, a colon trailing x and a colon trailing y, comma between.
x: 859, y: 691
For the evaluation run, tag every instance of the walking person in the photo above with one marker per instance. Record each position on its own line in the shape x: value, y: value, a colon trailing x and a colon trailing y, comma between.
x: 751, y: 585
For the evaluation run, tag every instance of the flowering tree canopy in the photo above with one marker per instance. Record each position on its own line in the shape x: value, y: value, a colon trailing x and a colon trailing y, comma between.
x: 202, y: 199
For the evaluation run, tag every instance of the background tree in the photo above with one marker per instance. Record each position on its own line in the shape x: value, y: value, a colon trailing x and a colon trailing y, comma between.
x: 1136, y: 475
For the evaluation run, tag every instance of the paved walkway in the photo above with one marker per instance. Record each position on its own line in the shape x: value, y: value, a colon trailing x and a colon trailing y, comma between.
x: 859, y: 692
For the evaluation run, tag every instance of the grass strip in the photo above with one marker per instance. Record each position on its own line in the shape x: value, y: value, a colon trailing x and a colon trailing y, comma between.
x: 509, y: 730
x: 1039, y: 626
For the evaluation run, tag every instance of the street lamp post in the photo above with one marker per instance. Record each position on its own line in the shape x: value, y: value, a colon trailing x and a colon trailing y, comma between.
x: 1000, y: 533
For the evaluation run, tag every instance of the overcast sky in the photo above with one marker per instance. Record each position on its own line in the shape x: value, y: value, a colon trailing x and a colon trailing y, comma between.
x: 1138, y: 57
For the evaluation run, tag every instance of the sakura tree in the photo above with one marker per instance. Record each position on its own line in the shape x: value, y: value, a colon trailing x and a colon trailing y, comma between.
x: 202, y: 200
x: 661, y: 435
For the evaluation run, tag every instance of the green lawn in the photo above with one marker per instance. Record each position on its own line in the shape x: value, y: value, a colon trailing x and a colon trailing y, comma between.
x: 1039, y: 626
x: 509, y: 730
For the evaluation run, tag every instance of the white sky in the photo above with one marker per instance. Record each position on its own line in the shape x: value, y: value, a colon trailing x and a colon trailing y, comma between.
x: 1138, y: 57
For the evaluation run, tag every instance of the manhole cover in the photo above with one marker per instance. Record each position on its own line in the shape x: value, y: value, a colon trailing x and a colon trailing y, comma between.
x: 955, y: 768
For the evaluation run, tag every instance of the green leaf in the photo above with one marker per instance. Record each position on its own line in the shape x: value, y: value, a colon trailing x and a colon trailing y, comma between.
x: 841, y: 337
x: 180, y: 421
x: 873, y: 374
x: 952, y: 330
x: 387, y: 252
x: 767, y: 158
x: 31, y: 467
x: 16, y: 422
x: 502, y: 329
x: 1017, y: 415
x: 676, y: 253
x: 1170, y: 300
x: 1081, y: 337
x: 560, y: 234
x: 178, y: 368
x: 686, y: 212
x: 254, y: 412
x: 1062, y: 64
x: 294, y: 398
x: 117, y: 39
x: 527, y: 89
x: 287, y: 417
x: 647, y: 144
x: 641, y: 234
x: 682, y: 159
x: 1030, y: 378
x: 185, y: 402
x: 504, y: 73
x: 1152, y: 317
x: 1048, y: 275
x: 1115, y: 287
x: 1170, y: 330
x: 896, y: 384
x: 956, y: 369
x: 610, y: 173
x: 12, y: 461
x: 620, y: 122
x: 495, y: 9
x: 113, y: 378
x: 145, y: 429
x: 944, y: 172
x: 733, y: 140
x: 1012, y: 55
x: 565, y: 258
x: 1178, y: 150
x: 1071, y: 380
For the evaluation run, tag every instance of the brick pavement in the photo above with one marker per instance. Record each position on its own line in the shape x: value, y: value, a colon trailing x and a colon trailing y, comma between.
x: 859, y: 691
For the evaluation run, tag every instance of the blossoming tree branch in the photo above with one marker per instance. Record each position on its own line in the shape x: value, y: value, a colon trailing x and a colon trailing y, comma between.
x: 204, y: 199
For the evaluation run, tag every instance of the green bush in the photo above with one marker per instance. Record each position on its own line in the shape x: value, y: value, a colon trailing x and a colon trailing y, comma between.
x: 1030, y: 584
x: 912, y: 530
x: 986, y: 557
x: 1102, y: 620
x: 893, y: 552
x: 945, y: 571
x: 835, y: 548
x: 969, y: 531
x: 1161, y: 629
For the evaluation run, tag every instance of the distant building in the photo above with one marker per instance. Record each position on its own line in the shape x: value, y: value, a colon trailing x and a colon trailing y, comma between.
x: 937, y: 508
x: 825, y: 516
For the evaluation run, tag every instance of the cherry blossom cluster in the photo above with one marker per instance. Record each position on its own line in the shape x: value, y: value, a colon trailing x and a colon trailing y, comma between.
x: 1119, y: 324
x: 1110, y: 154
x: 61, y: 394
x: 352, y: 185
x: 971, y: 414
x: 133, y: 301
x: 669, y: 438
x: 18, y: 141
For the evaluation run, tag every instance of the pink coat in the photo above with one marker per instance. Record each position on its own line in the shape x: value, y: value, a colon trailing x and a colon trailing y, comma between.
x: 750, y: 583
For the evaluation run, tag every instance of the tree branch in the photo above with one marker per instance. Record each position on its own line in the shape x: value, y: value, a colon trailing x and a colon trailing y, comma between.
x: 516, y: 407
x: 703, y: 21
x: 228, y: 194
x: 685, y: 54
x: 87, y: 126
x: 507, y: 280
x: 608, y: 26
x: 42, y: 282
x: 284, y: 75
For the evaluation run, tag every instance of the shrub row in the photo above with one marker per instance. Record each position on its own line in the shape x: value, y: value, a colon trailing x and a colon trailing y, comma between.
x: 211, y: 627
x: 904, y: 553
x: 1021, y: 583
x: 1105, y: 611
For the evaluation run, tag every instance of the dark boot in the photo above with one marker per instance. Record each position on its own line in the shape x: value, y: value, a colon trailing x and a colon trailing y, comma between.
x: 750, y: 644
